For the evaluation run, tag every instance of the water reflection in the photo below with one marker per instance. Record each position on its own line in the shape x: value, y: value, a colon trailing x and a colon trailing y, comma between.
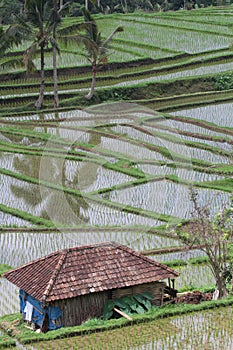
x: 57, y: 206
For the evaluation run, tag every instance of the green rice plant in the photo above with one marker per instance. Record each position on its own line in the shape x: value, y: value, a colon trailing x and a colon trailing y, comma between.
x: 176, y: 39
x: 165, y: 326
x: 190, y: 22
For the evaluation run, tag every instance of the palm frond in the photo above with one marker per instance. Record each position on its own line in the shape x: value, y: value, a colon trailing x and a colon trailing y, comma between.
x: 21, y: 30
x: 52, y: 19
x: 22, y: 22
x: 86, y: 14
x: 109, y: 38
x: 49, y: 24
x: 98, y: 39
x: 12, y: 36
x: 38, y: 19
x: 12, y: 62
x: 64, y: 7
x: 70, y: 39
x: 38, y: 11
x: 31, y: 51
x: 92, y: 29
x: 85, y: 56
x: 29, y: 65
x: 103, y: 51
x: 73, y: 29
x: 91, y: 47
x: 54, y: 44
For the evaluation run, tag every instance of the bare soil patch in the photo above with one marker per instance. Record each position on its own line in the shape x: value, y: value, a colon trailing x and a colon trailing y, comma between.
x: 195, y: 297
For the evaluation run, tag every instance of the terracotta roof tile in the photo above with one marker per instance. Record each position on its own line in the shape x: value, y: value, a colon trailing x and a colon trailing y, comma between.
x: 86, y: 269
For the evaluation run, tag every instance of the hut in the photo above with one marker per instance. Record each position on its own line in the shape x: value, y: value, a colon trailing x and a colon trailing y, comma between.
x: 70, y: 286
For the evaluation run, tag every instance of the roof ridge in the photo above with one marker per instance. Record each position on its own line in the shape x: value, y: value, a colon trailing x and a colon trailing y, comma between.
x: 151, y: 261
x: 94, y: 245
x: 54, y: 275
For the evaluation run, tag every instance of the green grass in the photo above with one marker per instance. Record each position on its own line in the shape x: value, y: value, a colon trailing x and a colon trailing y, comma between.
x: 144, y: 93
x: 6, y: 342
x: 36, y: 220
x: 222, y: 185
x: 225, y: 185
x: 26, y: 336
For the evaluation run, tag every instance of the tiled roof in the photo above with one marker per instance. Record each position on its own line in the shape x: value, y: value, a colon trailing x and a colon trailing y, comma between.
x: 82, y: 270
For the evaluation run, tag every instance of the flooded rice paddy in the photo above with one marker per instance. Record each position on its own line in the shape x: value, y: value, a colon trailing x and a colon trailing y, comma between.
x: 157, y: 197
x: 208, y: 113
x: 214, y: 68
x: 202, y: 330
x: 110, y: 179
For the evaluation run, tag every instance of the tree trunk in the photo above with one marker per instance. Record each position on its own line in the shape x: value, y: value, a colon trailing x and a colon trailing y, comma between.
x: 93, y: 82
x: 124, y: 6
x: 25, y: 6
x: 55, y: 78
x: 221, y: 286
x: 40, y: 100
x: 86, y: 4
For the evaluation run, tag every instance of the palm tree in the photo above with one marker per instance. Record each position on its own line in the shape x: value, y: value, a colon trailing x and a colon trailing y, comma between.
x: 124, y: 6
x: 56, y: 20
x: 47, y: 20
x: 96, y: 47
x: 12, y: 36
x: 42, y: 27
x: 38, y: 24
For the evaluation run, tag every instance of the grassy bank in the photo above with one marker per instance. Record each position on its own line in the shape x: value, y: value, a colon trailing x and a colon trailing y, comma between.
x: 143, y: 93
x: 13, y: 325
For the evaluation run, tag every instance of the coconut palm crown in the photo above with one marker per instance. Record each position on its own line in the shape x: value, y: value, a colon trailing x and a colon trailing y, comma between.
x: 96, y: 48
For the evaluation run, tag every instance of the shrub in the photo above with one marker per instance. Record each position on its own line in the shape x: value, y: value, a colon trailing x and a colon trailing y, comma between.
x: 224, y: 81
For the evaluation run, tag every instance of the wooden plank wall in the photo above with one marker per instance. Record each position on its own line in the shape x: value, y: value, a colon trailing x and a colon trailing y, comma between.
x: 78, y: 310
x: 155, y: 288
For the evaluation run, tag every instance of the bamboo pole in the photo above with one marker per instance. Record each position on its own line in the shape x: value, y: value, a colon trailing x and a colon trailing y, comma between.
x: 123, y: 314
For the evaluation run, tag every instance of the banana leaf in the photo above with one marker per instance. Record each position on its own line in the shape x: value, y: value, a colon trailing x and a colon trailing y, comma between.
x: 109, y: 305
x: 143, y: 301
x: 107, y: 315
x: 121, y: 303
x: 140, y: 309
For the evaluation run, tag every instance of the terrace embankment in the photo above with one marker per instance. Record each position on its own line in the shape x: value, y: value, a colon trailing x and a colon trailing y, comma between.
x: 141, y: 93
x: 139, y: 80
x: 169, y: 88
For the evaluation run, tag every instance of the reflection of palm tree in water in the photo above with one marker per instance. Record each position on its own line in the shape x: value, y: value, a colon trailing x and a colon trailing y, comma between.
x: 27, y: 165
x: 54, y: 205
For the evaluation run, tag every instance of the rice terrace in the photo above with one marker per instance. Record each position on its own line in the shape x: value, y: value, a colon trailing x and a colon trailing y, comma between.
x: 135, y: 144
